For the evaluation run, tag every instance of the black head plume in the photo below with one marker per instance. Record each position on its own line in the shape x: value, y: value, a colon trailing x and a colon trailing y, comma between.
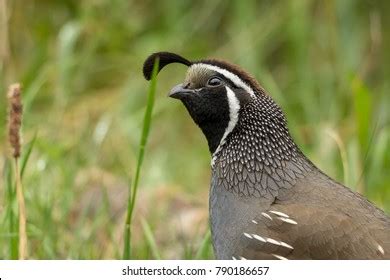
x: 165, y: 59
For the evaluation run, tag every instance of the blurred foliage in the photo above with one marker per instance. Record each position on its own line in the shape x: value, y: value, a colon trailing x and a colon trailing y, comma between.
x: 325, y: 62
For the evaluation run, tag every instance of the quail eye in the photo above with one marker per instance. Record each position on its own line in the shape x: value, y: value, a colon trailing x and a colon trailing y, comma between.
x: 214, y: 82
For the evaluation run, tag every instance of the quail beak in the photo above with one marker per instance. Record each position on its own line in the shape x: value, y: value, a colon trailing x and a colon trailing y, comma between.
x: 179, y: 92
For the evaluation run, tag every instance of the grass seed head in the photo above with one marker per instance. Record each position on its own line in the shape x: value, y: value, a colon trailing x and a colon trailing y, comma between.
x: 15, y: 112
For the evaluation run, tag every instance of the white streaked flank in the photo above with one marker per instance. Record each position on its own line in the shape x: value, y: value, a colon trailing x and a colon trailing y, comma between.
x: 258, y: 237
x: 231, y: 76
x: 242, y: 258
x: 380, y: 249
x: 269, y: 240
x: 248, y: 235
x: 266, y: 215
x: 284, y: 244
x: 279, y: 257
x: 233, y: 258
x: 281, y: 214
x: 253, y: 221
x: 234, y: 107
x: 288, y: 220
x: 273, y: 241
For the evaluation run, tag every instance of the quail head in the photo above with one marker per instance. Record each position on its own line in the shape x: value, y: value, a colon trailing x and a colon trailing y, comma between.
x: 267, y: 200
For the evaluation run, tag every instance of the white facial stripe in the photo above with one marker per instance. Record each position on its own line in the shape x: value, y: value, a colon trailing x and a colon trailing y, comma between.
x: 234, y: 107
x: 229, y: 75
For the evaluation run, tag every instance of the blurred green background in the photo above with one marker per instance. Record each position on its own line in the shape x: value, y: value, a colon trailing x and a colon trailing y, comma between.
x: 325, y: 62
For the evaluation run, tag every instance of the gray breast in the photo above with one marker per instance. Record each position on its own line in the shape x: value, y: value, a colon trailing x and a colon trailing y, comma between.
x: 230, y: 216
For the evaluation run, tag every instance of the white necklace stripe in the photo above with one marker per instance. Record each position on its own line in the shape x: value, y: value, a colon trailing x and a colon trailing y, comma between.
x: 229, y: 75
x: 234, y: 107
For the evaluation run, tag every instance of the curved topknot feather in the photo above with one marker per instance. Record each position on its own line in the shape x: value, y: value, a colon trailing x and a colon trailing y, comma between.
x: 165, y: 59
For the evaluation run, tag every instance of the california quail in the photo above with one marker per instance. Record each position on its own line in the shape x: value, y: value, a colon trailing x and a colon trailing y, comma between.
x: 267, y: 200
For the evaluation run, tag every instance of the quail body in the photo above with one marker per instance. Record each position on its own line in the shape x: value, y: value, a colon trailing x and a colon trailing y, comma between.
x: 267, y: 200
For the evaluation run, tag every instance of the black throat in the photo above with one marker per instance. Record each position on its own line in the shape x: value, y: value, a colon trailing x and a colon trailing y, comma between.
x: 214, y: 133
x: 210, y: 111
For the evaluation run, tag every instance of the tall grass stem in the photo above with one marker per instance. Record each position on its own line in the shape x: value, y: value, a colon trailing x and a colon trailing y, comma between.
x: 22, y: 212
x: 144, y: 138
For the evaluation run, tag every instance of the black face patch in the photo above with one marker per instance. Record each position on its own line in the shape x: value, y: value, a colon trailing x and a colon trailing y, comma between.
x: 209, y: 108
x: 209, y: 105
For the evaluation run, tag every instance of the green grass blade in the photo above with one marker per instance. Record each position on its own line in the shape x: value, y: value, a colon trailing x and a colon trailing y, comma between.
x: 150, y: 240
x: 204, y: 248
x: 32, y: 91
x: 363, y: 111
x: 144, y: 138
x: 26, y: 155
x: 11, y: 215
